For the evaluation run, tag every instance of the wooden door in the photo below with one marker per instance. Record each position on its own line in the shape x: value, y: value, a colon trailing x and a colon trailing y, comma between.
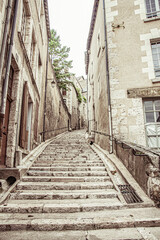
x: 5, y: 132
x: 6, y: 118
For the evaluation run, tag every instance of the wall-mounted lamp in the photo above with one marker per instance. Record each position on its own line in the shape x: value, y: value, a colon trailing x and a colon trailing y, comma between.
x: 53, y: 83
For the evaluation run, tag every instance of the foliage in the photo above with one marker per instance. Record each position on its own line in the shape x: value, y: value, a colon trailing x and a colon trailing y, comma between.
x: 79, y: 96
x: 59, y: 55
x: 84, y: 99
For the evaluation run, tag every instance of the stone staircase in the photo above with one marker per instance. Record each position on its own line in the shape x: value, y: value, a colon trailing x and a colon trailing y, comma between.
x: 68, y: 189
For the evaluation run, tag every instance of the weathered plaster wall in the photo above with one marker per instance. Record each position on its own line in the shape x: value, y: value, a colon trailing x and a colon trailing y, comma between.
x: 131, y: 65
x: 97, y: 92
x: 57, y: 115
x: 34, y: 73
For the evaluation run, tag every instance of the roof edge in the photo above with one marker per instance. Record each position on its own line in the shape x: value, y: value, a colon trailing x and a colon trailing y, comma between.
x: 92, y: 24
x: 47, y: 18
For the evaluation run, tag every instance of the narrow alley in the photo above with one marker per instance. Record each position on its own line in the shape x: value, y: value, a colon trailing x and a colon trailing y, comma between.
x: 72, y: 191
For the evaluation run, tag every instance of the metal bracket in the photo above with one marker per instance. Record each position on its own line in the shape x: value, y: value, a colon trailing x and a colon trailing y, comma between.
x: 117, y: 26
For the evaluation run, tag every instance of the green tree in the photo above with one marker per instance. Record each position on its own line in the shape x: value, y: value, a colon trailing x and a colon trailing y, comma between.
x: 59, y: 55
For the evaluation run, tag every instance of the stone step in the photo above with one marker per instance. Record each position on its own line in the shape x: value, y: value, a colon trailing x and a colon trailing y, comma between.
x: 64, y: 195
x: 64, y: 179
x: 64, y: 186
x: 103, y: 234
x: 60, y: 206
x: 60, y: 162
x: 44, y: 156
x: 85, y: 165
x: 137, y: 213
x: 77, y: 224
x: 67, y: 174
x: 69, y: 168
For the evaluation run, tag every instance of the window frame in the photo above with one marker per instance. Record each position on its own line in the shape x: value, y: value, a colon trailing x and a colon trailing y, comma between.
x: 23, y: 23
x: 152, y: 14
x: 157, y: 54
x: 155, y: 123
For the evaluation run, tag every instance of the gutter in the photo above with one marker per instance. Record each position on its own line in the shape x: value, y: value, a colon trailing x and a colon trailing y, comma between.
x: 108, y: 82
x: 6, y: 80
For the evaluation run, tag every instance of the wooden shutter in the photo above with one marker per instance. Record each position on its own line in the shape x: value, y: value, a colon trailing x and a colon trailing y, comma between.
x: 23, y: 133
x: 36, y: 121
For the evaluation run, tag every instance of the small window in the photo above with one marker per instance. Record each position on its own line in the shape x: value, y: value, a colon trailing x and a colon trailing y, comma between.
x: 32, y: 50
x: 152, y: 122
x: 64, y: 92
x: 23, y: 24
x: 153, y: 8
x: 156, y: 57
x: 98, y: 44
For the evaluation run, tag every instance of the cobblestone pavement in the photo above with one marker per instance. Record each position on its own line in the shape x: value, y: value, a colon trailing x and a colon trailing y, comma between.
x: 68, y: 193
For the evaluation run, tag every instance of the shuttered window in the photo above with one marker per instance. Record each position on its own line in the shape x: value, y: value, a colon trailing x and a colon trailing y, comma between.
x: 23, y: 138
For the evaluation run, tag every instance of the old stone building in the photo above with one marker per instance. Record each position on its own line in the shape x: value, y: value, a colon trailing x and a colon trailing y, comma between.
x: 58, y: 118
x: 123, y: 67
x: 25, y: 89
x: 76, y: 102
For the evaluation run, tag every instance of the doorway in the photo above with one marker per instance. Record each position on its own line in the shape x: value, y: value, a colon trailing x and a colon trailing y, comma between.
x: 6, y: 118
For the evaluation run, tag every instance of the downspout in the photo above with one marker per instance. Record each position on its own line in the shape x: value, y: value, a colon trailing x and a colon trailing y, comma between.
x: 4, y: 40
x: 5, y: 86
x: 108, y: 83
x: 45, y: 95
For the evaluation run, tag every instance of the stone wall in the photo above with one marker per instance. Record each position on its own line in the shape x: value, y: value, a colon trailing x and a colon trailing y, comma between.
x: 143, y: 164
x: 57, y: 115
x: 29, y: 69
x: 129, y: 37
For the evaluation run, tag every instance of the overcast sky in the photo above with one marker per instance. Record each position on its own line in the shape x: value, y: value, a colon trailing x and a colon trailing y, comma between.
x: 71, y: 19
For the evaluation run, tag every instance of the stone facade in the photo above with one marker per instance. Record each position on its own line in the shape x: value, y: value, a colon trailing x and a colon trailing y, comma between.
x: 130, y: 36
x: 78, y: 110
x: 24, y: 109
x: 58, y: 118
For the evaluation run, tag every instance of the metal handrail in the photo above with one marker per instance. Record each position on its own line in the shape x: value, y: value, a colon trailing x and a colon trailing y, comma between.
x: 53, y: 130
x: 130, y: 145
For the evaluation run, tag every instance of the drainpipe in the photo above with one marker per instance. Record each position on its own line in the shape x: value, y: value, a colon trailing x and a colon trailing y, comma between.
x: 4, y: 40
x: 5, y: 85
x: 45, y: 95
x: 108, y: 83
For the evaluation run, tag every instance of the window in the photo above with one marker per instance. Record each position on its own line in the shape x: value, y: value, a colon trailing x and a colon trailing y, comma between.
x: 23, y: 24
x: 153, y: 8
x: 98, y: 44
x: 64, y: 92
x: 152, y: 122
x: 32, y: 49
x: 156, y: 57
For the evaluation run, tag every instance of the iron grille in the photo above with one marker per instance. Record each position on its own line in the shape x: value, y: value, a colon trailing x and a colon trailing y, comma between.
x: 129, y: 194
